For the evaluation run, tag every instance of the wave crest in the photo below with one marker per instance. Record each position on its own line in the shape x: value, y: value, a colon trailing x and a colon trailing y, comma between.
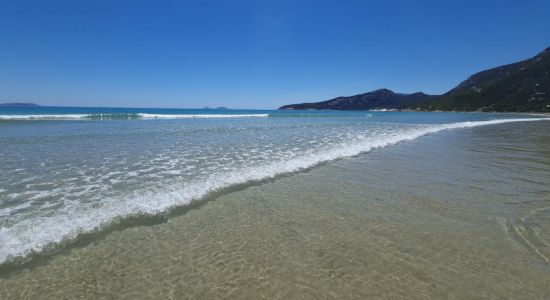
x: 125, y: 116
x: 30, y: 237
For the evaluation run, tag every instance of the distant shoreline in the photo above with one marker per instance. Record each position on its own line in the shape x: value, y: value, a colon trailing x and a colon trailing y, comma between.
x: 534, y: 113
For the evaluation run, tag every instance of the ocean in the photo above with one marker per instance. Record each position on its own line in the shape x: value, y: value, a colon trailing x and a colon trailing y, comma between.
x: 240, y: 192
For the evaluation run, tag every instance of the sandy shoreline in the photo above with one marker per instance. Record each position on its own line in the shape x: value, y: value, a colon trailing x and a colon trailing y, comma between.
x: 428, y: 218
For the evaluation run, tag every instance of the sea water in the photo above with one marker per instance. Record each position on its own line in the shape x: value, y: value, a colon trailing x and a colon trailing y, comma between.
x: 66, y: 172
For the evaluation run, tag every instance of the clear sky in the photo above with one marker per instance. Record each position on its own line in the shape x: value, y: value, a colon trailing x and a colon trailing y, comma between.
x: 253, y: 54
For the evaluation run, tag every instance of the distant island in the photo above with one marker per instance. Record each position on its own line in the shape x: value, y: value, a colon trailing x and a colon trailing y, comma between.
x: 219, y: 107
x: 519, y: 87
x: 18, y: 104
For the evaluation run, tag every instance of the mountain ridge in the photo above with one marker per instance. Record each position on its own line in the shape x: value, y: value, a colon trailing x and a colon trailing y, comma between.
x: 522, y: 86
x: 377, y: 99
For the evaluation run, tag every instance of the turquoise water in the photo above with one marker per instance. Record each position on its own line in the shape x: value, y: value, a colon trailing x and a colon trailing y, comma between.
x: 113, y: 113
x: 66, y: 172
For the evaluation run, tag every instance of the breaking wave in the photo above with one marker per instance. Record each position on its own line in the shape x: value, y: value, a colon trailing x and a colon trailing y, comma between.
x: 38, y: 235
x: 147, y: 116
x: 127, y: 116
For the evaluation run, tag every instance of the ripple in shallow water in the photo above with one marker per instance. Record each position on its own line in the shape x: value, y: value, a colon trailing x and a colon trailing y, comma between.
x: 66, y: 187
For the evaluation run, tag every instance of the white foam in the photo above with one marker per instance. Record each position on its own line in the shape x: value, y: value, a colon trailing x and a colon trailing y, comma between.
x: 200, y: 116
x: 9, y: 210
x: 43, y: 117
x: 128, y: 116
x: 34, y: 235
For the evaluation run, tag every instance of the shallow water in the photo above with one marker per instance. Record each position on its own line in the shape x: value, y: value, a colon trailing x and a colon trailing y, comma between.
x: 461, y: 213
x: 63, y: 175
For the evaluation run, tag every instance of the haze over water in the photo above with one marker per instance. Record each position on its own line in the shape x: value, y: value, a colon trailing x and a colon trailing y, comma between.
x: 69, y: 174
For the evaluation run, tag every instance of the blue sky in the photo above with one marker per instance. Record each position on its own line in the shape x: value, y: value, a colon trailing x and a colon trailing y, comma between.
x: 253, y: 54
